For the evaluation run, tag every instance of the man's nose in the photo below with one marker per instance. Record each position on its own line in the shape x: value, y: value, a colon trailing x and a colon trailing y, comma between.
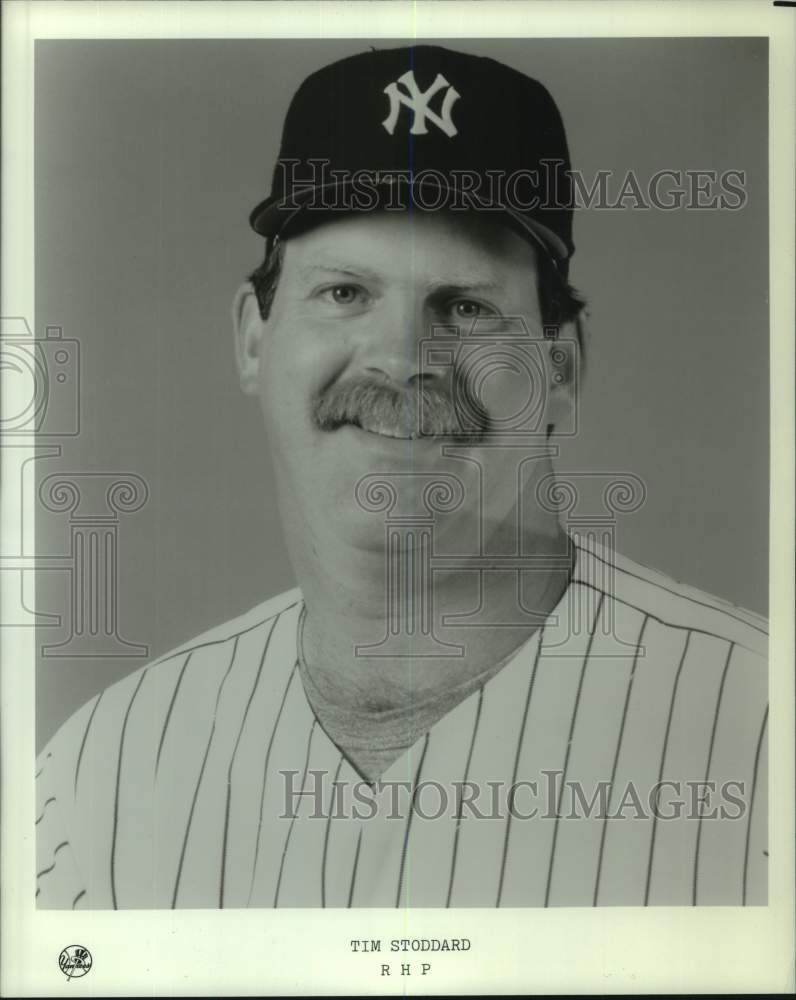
x: 393, y: 344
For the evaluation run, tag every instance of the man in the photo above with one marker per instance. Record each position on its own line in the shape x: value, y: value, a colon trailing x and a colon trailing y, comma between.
x: 463, y: 704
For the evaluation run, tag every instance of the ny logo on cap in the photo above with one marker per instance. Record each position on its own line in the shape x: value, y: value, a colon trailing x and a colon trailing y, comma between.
x: 417, y: 100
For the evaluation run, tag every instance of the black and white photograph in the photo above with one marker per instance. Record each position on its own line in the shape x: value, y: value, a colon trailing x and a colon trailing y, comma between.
x: 389, y: 456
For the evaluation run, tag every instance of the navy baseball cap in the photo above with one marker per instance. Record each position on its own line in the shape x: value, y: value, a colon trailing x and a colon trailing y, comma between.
x: 424, y: 128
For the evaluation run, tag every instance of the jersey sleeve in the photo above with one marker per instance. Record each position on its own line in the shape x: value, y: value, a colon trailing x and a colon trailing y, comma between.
x: 59, y: 882
x: 755, y: 887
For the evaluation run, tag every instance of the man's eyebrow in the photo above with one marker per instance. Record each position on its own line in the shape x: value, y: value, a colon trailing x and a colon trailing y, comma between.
x: 464, y: 284
x: 351, y: 270
x: 454, y: 285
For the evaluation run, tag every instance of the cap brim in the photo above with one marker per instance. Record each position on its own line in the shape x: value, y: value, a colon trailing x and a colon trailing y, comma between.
x: 273, y: 217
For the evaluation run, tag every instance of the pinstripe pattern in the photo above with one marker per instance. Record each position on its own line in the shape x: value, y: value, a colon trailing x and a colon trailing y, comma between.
x: 291, y: 676
x: 118, y: 785
x: 459, y: 806
x: 569, y: 746
x: 40, y: 817
x: 224, y: 847
x: 328, y: 831
x: 612, y: 779
x: 198, y: 784
x: 177, y: 686
x: 87, y: 730
x: 170, y: 780
x: 660, y: 621
x: 747, y: 619
x: 46, y: 871
x: 514, y: 773
x: 409, y: 819
x: 293, y: 820
x: 663, y: 764
x: 708, y: 765
x: 752, y: 806
x: 354, y: 870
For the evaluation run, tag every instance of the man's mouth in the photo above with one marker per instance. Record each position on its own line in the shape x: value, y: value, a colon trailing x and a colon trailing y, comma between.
x: 396, y: 413
x: 387, y: 430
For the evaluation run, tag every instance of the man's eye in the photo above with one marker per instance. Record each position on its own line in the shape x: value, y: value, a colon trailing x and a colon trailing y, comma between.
x: 344, y: 295
x: 468, y: 309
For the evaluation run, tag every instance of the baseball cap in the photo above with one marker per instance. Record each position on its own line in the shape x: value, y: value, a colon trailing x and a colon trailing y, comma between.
x: 424, y: 127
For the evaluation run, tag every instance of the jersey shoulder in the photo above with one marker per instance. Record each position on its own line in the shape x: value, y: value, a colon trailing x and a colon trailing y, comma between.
x: 260, y: 614
x: 65, y: 745
x: 669, y: 601
x: 150, y: 726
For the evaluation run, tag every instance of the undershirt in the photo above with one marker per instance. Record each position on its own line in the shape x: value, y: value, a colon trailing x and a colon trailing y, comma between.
x: 373, y: 739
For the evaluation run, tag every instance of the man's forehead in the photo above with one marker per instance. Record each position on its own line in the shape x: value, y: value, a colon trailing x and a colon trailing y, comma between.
x: 465, y: 248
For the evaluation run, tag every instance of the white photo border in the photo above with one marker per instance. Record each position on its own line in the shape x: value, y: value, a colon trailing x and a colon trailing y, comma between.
x: 530, y: 951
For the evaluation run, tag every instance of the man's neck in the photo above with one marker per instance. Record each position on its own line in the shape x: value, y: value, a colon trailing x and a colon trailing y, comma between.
x: 372, y: 643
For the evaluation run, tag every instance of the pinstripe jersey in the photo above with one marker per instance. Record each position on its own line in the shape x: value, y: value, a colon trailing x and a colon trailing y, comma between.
x: 169, y: 789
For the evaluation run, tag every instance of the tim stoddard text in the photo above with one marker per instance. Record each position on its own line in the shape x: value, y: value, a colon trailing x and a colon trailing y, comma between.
x: 411, y: 944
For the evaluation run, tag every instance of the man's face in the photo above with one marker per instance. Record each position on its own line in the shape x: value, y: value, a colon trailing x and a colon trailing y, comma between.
x: 338, y: 362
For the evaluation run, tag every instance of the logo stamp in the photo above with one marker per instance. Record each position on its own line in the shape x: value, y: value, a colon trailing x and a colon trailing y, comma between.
x: 75, y: 961
x: 417, y: 101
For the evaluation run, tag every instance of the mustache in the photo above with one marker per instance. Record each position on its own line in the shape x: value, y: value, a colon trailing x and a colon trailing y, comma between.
x: 420, y: 409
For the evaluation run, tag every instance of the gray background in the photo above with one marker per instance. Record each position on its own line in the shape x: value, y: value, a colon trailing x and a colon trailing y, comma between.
x: 149, y: 156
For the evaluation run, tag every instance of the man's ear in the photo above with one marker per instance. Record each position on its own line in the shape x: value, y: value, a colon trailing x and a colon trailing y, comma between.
x: 249, y: 329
